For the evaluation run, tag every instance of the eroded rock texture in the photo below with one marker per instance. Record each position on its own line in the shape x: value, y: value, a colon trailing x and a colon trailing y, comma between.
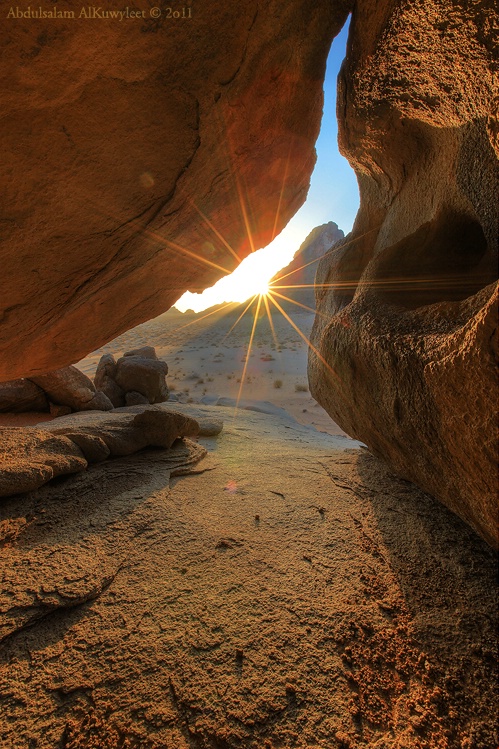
x: 146, y: 157
x: 407, y: 340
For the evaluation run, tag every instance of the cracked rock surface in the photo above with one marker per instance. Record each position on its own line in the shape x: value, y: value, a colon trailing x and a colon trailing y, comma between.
x: 289, y: 592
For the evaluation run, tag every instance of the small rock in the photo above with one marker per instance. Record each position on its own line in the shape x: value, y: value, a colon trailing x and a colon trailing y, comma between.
x: 143, y: 375
x: 105, y: 382
x: 146, y: 352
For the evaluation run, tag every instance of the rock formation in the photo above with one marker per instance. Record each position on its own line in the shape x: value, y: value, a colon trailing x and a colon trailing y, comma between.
x: 19, y: 396
x: 138, y: 377
x: 72, y: 388
x: 296, y: 280
x: 31, y: 456
x: 144, y: 158
x: 141, y: 160
x: 406, y: 342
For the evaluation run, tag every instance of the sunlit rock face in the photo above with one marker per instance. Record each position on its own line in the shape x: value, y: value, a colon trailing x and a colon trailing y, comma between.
x: 142, y: 158
x: 407, y: 337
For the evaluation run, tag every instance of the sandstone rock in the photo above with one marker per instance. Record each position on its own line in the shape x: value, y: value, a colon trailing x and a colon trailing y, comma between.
x: 105, y: 382
x: 123, y: 433
x: 70, y: 387
x: 209, y: 426
x: 29, y: 457
x: 405, y: 341
x: 18, y: 396
x: 107, y: 240
x: 144, y: 375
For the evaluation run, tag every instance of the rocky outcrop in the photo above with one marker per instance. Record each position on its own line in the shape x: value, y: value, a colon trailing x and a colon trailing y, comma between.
x: 405, y: 342
x: 31, y: 456
x: 141, y: 160
x: 72, y: 388
x: 138, y: 377
x: 144, y: 158
x: 296, y: 280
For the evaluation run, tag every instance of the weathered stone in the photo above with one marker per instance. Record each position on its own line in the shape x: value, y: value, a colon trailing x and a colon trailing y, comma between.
x: 70, y: 387
x: 29, y: 457
x: 107, y: 239
x: 124, y: 433
x: 405, y: 343
x: 19, y: 396
x: 143, y: 375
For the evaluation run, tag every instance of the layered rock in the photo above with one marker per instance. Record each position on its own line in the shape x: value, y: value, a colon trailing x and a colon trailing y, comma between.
x: 406, y: 340
x: 32, y: 456
x: 144, y: 158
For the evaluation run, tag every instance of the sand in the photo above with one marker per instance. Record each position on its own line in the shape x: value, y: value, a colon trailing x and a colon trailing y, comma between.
x: 289, y: 593
x: 206, y: 358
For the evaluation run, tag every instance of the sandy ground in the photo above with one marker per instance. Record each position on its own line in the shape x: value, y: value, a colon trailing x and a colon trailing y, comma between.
x: 290, y: 593
x: 206, y: 358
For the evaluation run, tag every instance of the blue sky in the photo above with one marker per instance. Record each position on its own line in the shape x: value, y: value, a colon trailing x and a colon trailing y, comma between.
x: 333, y: 196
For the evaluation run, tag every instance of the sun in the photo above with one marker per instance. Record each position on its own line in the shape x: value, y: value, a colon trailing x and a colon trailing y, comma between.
x: 262, y: 287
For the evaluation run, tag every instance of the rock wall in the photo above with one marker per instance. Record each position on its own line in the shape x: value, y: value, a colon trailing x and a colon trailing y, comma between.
x: 145, y: 157
x: 406, y: 343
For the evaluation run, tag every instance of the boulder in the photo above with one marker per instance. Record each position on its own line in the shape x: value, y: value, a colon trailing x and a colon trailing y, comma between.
x: 70, y: 387
x: 19, y: 396
x: 105, y: 382
x: 96, y: 243
x: 404, y: 346
x: 144, y: 375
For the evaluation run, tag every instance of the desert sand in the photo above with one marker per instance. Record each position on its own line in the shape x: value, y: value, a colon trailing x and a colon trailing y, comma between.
x: 207, y: 359
x: 289, y: 592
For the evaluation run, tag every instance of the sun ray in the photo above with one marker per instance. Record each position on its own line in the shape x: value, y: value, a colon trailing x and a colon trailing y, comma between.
x: 215, y: 231
x: 271, y: 322
x: 304, y: 337
x: 255, y: 322
x: 298, y: 304
x: 239, y: 318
